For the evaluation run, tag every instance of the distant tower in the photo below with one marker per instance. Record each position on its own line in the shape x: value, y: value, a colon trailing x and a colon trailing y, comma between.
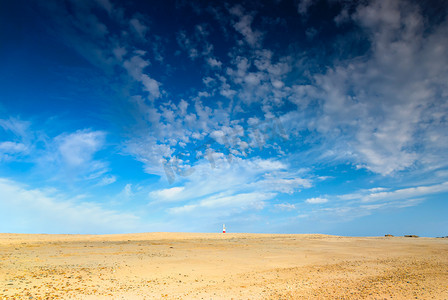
x: 223, y: 228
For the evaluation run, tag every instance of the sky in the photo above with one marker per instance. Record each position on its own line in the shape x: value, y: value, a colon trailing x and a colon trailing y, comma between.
x: 280, y: 116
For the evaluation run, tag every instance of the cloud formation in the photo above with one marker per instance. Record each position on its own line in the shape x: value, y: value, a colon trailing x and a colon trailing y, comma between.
x: 39, y: 210
x: 384, y: 101
x: 236, y: 111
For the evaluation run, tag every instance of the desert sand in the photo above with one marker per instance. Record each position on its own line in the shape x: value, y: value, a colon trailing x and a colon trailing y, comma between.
x: 221, y: 266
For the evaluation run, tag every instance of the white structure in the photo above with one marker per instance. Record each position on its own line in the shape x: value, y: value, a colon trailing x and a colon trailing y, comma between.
x: 223, y: 228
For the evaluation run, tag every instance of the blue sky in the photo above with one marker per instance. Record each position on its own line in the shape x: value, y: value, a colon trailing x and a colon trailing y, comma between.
x: 269, y: 116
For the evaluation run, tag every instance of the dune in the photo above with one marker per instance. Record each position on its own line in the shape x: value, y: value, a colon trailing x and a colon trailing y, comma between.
x: 221, y: 266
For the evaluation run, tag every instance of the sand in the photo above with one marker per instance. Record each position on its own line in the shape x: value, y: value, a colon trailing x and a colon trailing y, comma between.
x: 221, y: 266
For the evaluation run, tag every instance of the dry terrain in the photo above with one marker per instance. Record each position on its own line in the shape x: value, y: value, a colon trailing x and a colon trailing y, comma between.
x: 221, y: 266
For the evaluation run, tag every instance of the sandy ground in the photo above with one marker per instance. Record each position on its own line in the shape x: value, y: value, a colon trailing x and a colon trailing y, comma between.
x: 221, y: 266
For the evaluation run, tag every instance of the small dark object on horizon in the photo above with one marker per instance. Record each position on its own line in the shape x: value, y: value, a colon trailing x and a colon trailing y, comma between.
x: 388, y: 235
x: 411, y: 235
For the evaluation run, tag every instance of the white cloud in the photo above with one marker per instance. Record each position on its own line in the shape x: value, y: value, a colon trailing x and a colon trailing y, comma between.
x: 11, y: 147
x: 227, y: 188
x: 183, y: 105
x: 127, y: 193
x: 316, y: 200
x: 285, y: 206
x: 406, y: 193
x: 138, y: 27
x: 170, y: 194
x: 226, y: 205
x: 195, y: 44
x: 20, y: 137
x: 119, y: 52
x: 311, y: 33
x: 71, y: 156
x: 106, y: 5
x: 259, y: 79
x: 269, y: 164
x: 304, y: 5
x: 243, y: 26
x: 92, y: 39
x: 151, y: 86
x: 214, y: 63
x: 365, y: 202
x: 381, y: 194
x: 106, y: 180
x: 150, y: 153
x: 46, y: 211
x: 347, y: 213
x: 283, y: 185
x: 66, y: 156
x: 77, y: 149
x: 377, y: 189
x: 8, y: 150
x: 135, y: 67
x: 19, y: 128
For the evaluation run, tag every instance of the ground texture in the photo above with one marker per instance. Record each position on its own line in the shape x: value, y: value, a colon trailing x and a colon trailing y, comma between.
x: 221, y: 266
